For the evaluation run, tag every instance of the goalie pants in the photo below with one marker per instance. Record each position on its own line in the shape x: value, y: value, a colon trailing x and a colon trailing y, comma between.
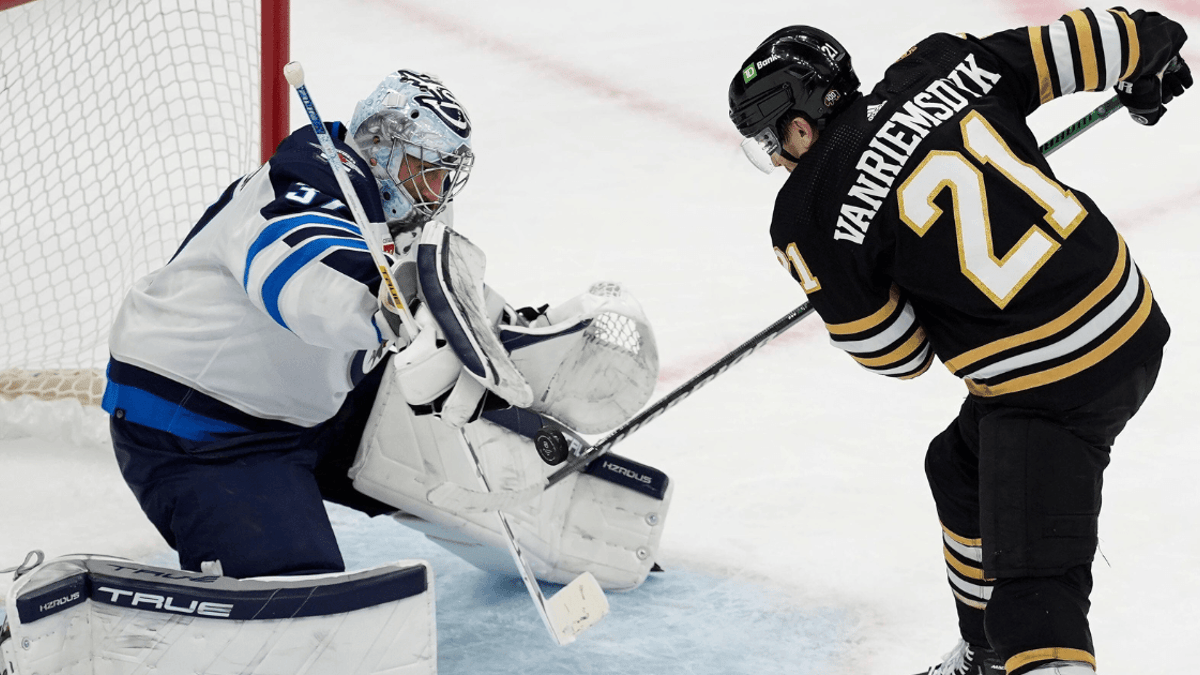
x: 1018, y: 494
x: 255, y: 502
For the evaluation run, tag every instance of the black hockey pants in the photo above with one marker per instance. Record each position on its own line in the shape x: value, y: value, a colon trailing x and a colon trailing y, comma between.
x: 1018, y: 494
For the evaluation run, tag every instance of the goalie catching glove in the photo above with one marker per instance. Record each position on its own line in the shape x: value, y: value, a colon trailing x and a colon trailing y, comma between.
x: 592, y: 361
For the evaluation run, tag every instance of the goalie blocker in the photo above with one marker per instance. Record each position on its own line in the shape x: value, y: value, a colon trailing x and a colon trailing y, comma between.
x: 592, y: 363
x: 84, y: 614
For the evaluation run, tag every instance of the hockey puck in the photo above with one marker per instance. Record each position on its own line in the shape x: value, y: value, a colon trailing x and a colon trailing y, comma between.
x: 551, y: 445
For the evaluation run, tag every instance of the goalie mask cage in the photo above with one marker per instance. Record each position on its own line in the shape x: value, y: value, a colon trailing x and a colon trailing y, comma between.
x: 123, y: 121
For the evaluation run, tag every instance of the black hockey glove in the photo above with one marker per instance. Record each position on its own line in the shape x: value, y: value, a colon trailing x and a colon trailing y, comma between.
x: 1146, y: 97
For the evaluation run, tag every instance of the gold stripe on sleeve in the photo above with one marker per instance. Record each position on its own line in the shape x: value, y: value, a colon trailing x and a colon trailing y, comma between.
x: 1045, y: 86
x: 967, y: 601
x: 1087, y: 50
x: 1135, y: 51
x: 1102, y: 291
x: 963, y: 568
x: 869, y: 322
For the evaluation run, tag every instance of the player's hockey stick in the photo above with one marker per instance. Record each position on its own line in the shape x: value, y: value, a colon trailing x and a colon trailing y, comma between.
x: 454, y: 497
x: 574, y: 608
x: 1099, y: 113
x: 294, y: 73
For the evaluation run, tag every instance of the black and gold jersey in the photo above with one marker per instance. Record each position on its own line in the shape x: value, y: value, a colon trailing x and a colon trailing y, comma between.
x: 926, y: 222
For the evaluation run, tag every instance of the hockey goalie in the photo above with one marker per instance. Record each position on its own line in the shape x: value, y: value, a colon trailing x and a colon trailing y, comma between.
x: 591, y: 363
x: 265, y: 370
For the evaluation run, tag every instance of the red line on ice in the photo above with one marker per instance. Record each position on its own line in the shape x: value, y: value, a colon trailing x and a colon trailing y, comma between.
x: 480, y: 38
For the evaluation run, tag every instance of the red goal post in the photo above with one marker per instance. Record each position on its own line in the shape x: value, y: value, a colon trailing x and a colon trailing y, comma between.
x: 123, y: 120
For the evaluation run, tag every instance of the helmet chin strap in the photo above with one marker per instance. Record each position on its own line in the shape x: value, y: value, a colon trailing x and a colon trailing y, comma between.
x: 788, y: 156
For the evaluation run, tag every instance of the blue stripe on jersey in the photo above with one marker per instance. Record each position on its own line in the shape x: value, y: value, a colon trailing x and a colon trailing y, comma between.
x: 280, y: 228
x: 357, y: 265
x: 142, y: 407
x: 158, y: 402
x: 286, y: 269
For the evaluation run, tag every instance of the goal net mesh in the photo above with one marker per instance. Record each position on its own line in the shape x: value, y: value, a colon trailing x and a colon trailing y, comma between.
x: 123, y: 120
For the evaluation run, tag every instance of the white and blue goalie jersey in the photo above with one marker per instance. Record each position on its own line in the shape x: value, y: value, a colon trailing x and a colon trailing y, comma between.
x: 264, y: 319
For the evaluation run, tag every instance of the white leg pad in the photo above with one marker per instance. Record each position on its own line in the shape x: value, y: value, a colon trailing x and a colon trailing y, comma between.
x: 607, y: 521
x: 96, y: 615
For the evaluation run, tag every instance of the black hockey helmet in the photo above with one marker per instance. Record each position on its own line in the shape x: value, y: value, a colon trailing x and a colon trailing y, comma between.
x: 798, y: 69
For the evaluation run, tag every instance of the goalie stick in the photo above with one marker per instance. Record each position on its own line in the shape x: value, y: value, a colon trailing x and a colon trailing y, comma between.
x: 551, y: 441
x: 576, y: 607
x: 567, y: 613
x: 294, y: 73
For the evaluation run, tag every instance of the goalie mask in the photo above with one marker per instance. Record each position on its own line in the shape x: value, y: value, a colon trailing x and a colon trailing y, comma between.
x: 417, y: 139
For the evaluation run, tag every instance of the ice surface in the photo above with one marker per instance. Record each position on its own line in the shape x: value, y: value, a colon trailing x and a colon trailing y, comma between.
x: 802, y: 538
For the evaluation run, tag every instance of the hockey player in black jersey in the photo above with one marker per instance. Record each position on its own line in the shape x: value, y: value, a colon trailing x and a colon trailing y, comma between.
x: 921, y: 220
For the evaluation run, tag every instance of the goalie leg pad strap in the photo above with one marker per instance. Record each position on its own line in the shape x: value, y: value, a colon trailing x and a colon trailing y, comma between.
x: 81, y: 614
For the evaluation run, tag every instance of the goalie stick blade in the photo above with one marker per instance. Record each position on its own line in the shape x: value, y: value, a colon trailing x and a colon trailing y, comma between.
x: 576, y: 607
x: 460, y: 500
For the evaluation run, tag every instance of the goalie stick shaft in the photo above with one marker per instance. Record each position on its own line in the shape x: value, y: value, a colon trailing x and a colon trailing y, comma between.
x: 574, y: 608
x: 294, y: 73
x: 456, y: 497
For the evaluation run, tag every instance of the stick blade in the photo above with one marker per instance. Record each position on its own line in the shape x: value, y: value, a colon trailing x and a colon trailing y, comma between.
x: 576, y: 607
x: 460, y: 500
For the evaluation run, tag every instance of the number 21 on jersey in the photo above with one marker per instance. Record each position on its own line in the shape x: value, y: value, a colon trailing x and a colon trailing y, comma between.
x: 792, y: 261
x: 1000, y: 278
